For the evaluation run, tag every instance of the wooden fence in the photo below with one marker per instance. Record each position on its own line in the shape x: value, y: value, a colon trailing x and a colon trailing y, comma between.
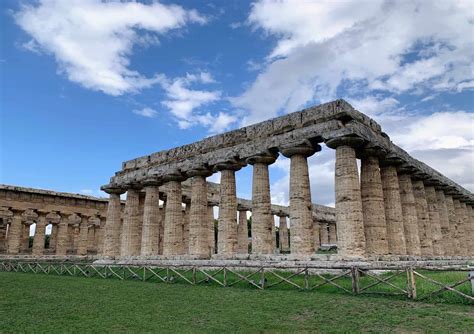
x: 400, y: 281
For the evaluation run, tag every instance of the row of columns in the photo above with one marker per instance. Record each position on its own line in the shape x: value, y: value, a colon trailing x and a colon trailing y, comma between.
x: 230, y: 233
x: 65, y: 227
x: 394, y: 210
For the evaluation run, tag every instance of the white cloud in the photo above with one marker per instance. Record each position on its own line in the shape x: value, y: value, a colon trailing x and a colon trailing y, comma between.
x: 185, y: 102
x: 93, y: 40
x: 146, y: 112
x: 386, y: 46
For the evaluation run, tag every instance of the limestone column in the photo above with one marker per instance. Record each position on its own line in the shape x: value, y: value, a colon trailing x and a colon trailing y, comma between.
x: 460, y: 227
x: 373, y: 208
x: 435, y: 223
x: 324, y: 233
x: 349, y: 217
x: 99, y: 235
x: 76, y: 236
x: 453, y: 229
x: 393, y: 210
x: 161, y: 228
x: 186, y: 220
x: 53, y: 237
x: 446, y: 244
x: 470, y: 232
x: 38, y: 240
x: 14, y: 232
x: 25, y: 238
x: 198, y: 214
x: 424, y: 229
x: 262, y: 217
x: 332, y: 234
x: 111, y: 243
x: 410, y: 218
x: 284, y: 238
x: 62, y: 244
x: 464, y: 231
x: 211, y: 229
x: 242, y: 232
x: 3, y: 235
x: 91, y: 245
x: 83, y: 234
x: 130, y: 229
x: 227, y: 226
x: 301, y: 215
x: 316, y: 235
x: 173, y: 226
x: 151, y: 219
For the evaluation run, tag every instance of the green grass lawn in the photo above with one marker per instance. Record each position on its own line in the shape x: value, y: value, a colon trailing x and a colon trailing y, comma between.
x: 39, y: 303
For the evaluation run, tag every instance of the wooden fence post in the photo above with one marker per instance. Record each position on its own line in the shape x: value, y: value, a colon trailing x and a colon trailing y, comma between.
x: 355, y: 280
x: 412, y: 282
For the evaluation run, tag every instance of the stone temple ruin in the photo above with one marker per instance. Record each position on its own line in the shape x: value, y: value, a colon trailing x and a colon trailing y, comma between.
x: 397, y: 208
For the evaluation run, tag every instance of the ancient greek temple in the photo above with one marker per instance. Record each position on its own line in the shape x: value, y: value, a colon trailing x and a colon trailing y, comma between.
x: 396, y: 207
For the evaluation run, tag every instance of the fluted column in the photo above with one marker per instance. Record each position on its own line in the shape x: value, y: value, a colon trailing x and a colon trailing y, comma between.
x: 61, y: 247
x: 460, y: 227
x: 284, y: 238
x: 373, y: 208
x: 173, y: 227
x: 410, y: 218
x: 324, y: 233
x: 453, y: 230
x: 393, y: 210
x: 262, y: 217
x: 111, y: 243
x: 14, y: 233
x: 25, y: 238
x: 54, y: 237
x: 161, y: 228
x: 316, y: 235
x: 332, y: 234
x: 198, y: 215
x: 349, y: 217
x: 470, y: 233
x: 151, y: 219
x: 424, y: 229
x: 227, y: 226
x: 91, y: 240
x: 130, y: 224
x: 38, y: 240
x: 435, y: 223
x: 211, y: 229
x: 83, y: 235
x: 465, y: 237
x: 186, y: 220
x: 444, y: 223
x: 242, y: 232
x: 301, y: 215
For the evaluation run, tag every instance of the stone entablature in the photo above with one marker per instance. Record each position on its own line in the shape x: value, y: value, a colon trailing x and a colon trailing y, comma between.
x: 317, y: 124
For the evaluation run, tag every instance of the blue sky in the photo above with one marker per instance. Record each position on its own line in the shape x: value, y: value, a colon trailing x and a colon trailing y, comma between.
x: 87, y: 84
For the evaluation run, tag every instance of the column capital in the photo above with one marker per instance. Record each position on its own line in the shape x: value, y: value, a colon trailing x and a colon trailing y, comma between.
x: 42, y: 213
x: 242, y: 207
x: 405, y: 168
x: 266, y: 157
x: 203, y: 171
x: 212, y: 203
x: 152, y: 182
x: 233, y: 164
x: 390, y: 159
x: 372, y: 150
x: 347, y: 140
x: 113, y: 189
x: 174, y: 175
x: 305, y: 148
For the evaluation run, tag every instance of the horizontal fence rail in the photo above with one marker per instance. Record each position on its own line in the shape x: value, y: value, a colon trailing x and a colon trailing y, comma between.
x: 401, y: 281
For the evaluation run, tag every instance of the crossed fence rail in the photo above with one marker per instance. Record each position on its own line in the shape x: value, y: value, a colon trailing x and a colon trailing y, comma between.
x: 399, y: 281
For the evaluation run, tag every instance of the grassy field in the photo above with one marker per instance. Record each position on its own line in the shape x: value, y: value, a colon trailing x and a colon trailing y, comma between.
x: 40, y: 303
